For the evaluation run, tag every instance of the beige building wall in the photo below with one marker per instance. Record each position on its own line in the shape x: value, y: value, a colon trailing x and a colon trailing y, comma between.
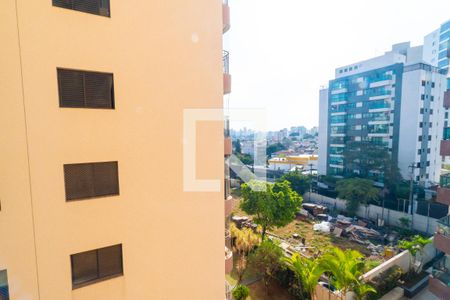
x: 165, y: 56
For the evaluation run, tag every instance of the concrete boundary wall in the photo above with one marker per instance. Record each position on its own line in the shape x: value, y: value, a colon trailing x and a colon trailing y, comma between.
x: 391, y: 217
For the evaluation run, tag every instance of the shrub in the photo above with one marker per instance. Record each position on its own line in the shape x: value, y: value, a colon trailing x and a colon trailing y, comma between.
x: 240, y: 292
x: 385, y: 282
x: 287, y: 280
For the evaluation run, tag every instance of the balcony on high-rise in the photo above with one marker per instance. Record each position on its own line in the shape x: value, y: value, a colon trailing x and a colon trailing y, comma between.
x: 228, y: 261
x: 228, y: 146
x: 447, y: 99
x: 226, y: 73
x: 226, y: 126
x: 442, y: 236
x: 226, y: 16
x: 439, y: 283
x: 445, y: 143
x: 443, y: 191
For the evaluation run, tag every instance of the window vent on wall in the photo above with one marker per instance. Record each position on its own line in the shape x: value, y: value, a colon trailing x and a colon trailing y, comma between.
x: 85, y: 89
x: 96, y: 7
x: 96, y: 265
x: 90, y: 180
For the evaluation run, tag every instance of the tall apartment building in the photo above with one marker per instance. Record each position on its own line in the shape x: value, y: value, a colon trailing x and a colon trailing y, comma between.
x: 437, y: 45
x: 437, y: 52
x: 92, y: 99
x: 228, y: 149
x: 394, y: 101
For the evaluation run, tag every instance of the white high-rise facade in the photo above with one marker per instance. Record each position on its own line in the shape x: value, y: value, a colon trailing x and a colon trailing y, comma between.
x: 393, y: 101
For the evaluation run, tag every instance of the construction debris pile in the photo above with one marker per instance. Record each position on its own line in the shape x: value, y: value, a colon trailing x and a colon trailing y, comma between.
x: 378, y: 240
x: 361, y: 231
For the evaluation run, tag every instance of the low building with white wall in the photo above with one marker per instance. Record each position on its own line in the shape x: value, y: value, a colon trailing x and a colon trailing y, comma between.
x: 291, y: 163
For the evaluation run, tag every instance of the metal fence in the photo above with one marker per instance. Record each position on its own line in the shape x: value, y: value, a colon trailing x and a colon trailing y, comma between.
x: 226, y: 62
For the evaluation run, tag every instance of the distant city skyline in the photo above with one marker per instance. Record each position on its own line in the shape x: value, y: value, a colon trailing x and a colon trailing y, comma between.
x: 281, y: 54
x: 272, y: 130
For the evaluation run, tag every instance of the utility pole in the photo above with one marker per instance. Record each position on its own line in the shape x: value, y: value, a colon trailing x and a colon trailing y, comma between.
x: 310, y: 180
x: 412, y: 166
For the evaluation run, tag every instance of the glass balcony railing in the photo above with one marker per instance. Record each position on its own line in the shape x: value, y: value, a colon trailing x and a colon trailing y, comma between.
x: 444, y: 35
x: 381, y: 143
x: 339, y: 85
x: 226, y: 62
x: 338, y: 108
x: 379, y: 116
x: 445, y: 181
x: 446, y: 135
x: 337, y: 150
x: 226, y: 126
x: 338, y: 140
x: 338, y: 98
x: 379, y: 93
x: 336, y: 161
x: 443, y: 226
x: 338, y: 130
x: 379, y: 128
x: 380, y: 78
x: 379, y: 131
x: 338, y: 119
x: 335, y: 171
x: 441, y: 270
x: 445, y: 26
x: 378, y: 105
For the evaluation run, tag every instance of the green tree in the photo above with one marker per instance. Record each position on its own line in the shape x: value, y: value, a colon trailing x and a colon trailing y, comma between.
x: 369, y: 158
x: 299, y: 182
x: 237, y: 146
x: 402, y: 190
x: 345, y: 269
x: 362, y: 290
x: 356, y: 191
x: 415, y: 246
x: 270, y: 204
x: 274, y: 148
x: 240, y: 292
x: 306, y: 270
x: 404, y: 222
x: 266, y: 260
x: 246, y: 159
x: 328, y: 180
x: 286, y: 142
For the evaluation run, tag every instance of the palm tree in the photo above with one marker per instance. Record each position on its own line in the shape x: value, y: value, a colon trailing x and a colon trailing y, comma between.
x: 415, y: 246
x: 245, y: 241
x: 362, y: 289
x: 306, y: 270
x: 344, y: 268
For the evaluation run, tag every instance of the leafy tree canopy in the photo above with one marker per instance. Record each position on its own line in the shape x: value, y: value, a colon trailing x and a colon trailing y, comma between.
x: 299, y: 182
x: 345, y: 268
x: 270, y: 204
x: 368, y: 159
x: 240, y: 292
x: 274, y: 148
x: 246, y: 159
x: 237, y: 146
x: 266, y: 260
x: 356, y: 191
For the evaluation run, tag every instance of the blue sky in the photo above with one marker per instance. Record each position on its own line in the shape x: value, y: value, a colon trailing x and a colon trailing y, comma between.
x: 282, y: 51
